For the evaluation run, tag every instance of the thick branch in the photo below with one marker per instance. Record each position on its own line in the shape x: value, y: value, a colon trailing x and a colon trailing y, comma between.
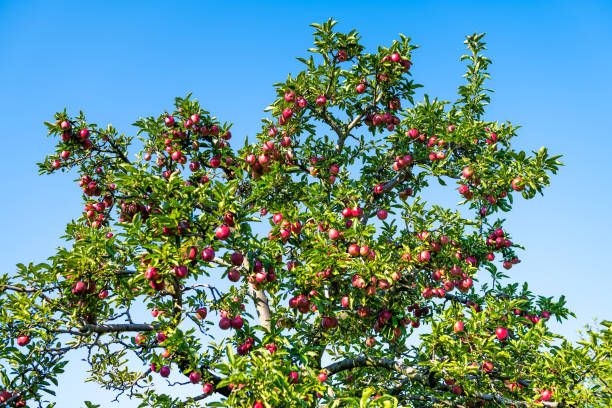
x: 88, y: 329
x: 332, y: 123
x: 365, y: 361
x: 263, y: 308
x: 357, y: 118
x: 259, y: 297
x: 413, y: 374
x: 117, y: 328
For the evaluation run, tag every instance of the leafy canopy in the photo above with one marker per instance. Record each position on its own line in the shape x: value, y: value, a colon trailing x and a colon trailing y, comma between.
x: 306, y: 268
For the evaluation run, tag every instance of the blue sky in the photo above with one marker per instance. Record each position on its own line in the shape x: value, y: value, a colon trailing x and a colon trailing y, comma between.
x: 116, y: 62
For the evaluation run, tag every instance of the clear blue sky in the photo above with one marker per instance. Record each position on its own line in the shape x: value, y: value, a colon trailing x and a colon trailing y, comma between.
x: 551, y: 74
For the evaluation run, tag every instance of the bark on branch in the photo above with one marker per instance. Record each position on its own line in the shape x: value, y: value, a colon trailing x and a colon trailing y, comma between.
x: 88, y: 329
x: 413, y: 374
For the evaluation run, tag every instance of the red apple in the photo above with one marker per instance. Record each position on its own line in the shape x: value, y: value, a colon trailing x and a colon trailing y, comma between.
x: 233, y: 275
x: 23, y: 340
x: 164, y: 371
x: 501, y: 333
x: 353, y: 250
x: 487, y: 367
x: 151, y: 273
x: 237, y: 323
x: 458, y: 326
x: 222, y: 232
x: 201, y: 313
x: 237, y: 258
x: 333, y: 234
x: 545, y: 395
x: 181, y: 271
x: 518, y: 184
x: 344, y: 301
x: 225, y: 323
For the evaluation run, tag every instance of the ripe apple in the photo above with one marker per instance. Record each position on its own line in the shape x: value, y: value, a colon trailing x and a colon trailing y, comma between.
x: 329, y: 322
x: 237, y: 258
x: 277, y: 218
x: 150, y: 274
x: 222, y: 232
x: 344, y: 301
x: 207, y: 388
x: 322, y: 376
x: 237, y: 323
x: 381, y: 214
x: 545, y: 395
x: 353, y: 250
x: 501, y: 333
x: 201, y: 313
x: 333, y: 234
x: 140, y: 338
x: 215, y: 162
x: 23, y: 340
x: 518, y: 184
x: 181, y: 271
x: 164, y: 371
x: 225, y: 323
x: 459, y: 326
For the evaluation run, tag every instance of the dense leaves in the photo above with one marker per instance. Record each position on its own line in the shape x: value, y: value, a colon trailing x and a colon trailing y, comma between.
x: 313, y: 250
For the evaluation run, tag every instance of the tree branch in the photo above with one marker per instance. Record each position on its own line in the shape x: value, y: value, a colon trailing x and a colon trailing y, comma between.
x: 366, y: 361
x: 413, y: 374
x: 259, y: 297
x: 88, y: 329
x: 388, y: 186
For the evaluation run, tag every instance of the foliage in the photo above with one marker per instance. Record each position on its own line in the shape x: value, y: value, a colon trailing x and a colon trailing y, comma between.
x: 314, y: 246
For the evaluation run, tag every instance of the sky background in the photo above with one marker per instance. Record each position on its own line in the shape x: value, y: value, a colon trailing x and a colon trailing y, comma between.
x: 552, y: 67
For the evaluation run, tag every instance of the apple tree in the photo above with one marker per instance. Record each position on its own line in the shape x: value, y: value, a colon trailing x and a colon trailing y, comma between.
x: 315, y: 266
